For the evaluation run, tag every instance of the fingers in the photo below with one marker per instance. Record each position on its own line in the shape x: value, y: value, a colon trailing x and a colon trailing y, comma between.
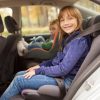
x: 28, y: 75
x: 33, y: 68
x: 28, y: 70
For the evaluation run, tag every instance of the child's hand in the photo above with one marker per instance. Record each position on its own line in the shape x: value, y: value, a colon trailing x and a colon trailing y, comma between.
x: 31, y: 71
x: 33, y: 68
x: 29, y: 74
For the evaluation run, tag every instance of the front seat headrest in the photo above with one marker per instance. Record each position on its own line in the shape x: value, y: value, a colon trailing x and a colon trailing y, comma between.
x: 1, y: 25
x: 11, y: 24
x: 96, y: 20
x: 91, y: 21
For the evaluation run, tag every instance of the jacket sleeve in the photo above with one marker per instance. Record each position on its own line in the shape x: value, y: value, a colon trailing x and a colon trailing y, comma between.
x: 74, y: 51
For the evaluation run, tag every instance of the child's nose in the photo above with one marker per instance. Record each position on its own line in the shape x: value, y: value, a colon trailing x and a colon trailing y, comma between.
x: 66, y: 21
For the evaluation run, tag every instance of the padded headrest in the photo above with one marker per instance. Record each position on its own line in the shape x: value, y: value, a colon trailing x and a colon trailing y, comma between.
x: 11, y: 24
x: 96, y: 20
x: 1, y: 25
x: 91, y: 21
x: 86, y: 23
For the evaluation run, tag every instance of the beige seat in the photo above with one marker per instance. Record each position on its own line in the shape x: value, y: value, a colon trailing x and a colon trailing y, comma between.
x: 86, y: 69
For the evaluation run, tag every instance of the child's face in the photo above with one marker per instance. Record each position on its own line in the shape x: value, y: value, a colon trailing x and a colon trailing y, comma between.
x: 68, y: 23
x: 54, y: 28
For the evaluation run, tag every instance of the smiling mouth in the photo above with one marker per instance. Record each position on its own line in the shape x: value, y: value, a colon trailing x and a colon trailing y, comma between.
x: 68, y: 27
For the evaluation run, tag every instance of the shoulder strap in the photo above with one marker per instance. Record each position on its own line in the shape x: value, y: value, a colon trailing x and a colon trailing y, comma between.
x: 91, y: 22
x: 90, y: 30
x: 60, y: 82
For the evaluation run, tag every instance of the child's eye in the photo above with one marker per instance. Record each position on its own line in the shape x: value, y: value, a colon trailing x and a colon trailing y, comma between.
x: 61, y: 19
x: 70, y: 18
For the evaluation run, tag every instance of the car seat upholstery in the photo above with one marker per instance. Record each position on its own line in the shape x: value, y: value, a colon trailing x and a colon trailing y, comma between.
x: 51, y: 92
x: 11, y: 25
x: 7, y: 46
x: 7, y: 57
x: 36, y: 53
x: 1, y: 25
x: 2, y: 39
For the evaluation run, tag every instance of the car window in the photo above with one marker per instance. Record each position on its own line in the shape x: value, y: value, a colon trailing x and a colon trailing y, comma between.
x: 5, y: 12
x: 35, y: 19
x: 89, y: 4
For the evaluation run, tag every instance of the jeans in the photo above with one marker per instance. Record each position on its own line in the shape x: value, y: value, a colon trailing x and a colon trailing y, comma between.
x: 35, y: 45
x: 36, y: 42
x: 37, y: 39
x: 19, y: 83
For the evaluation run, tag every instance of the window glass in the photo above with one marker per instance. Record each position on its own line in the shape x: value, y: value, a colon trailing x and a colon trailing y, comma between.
x: 90, y: 5
x: 5, y: 12
x: 35, y: 19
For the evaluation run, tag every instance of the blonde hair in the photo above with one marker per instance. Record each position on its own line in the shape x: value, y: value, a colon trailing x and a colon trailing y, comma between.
x: 71, y: 11
x: 56, y: 21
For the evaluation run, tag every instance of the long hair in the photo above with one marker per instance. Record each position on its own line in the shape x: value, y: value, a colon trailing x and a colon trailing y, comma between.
x: 71, y: 11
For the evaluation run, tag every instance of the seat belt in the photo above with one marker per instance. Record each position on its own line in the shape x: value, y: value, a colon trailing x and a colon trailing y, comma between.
x: 60, y: 83
x: 88, y: 31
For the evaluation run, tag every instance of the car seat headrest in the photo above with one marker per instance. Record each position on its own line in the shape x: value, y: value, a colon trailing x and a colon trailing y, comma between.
x: 86, y: 23
x: 11, y: 25
x: 91, y: 21
x: 1, y: 25
x: 96, y: 20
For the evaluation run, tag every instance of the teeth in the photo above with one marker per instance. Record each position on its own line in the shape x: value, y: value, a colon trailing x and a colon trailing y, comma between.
x: 67, y: 26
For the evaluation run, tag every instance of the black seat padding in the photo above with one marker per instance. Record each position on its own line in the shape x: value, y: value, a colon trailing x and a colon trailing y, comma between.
x: 2, y: 39
x: 1, y: 25
x: 11, y: 25
x: 2, y: 43
x: 7, y: 57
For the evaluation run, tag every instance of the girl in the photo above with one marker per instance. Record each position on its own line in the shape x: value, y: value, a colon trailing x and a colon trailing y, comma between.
x: 64, y: 65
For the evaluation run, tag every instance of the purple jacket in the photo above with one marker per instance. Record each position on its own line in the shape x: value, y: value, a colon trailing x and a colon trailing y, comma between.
x: 69, y: 60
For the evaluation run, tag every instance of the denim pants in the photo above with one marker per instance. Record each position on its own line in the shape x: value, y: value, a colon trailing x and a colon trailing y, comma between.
x: 19, y: 83
x: 34, y: 45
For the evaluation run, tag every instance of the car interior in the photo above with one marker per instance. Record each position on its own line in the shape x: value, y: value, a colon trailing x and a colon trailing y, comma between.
x: 88, y: 67
x: 53, y: 92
